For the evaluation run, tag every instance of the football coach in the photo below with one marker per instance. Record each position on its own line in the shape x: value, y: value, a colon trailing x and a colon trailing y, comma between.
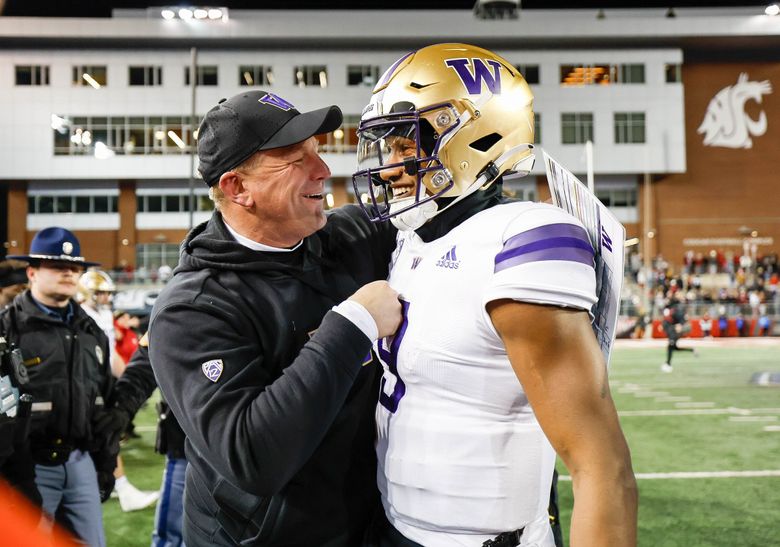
x: 261, y: 341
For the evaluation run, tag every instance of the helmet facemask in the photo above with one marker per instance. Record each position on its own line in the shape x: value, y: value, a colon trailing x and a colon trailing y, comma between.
x: 398, y: 160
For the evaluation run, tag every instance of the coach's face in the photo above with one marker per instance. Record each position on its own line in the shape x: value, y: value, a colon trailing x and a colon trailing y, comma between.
x: 286, y: 193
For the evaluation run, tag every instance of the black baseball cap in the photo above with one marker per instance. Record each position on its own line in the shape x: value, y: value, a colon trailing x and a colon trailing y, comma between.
x: 252, y: 121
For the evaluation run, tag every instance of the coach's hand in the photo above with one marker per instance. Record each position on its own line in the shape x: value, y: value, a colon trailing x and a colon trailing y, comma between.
x: 382, y: 303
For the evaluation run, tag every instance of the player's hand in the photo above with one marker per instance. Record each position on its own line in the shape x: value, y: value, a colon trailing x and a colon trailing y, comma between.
x: 382, y: 303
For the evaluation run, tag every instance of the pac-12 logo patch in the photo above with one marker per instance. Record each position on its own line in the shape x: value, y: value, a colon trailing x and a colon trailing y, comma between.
x: 212, y: 369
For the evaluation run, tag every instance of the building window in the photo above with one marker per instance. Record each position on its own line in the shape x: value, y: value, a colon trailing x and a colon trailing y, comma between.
x: 365, y: 75
x: 145, y: 75
x: 673, y: 73
x: 631, y: 74
x: 172, y: 203
x: 90, y: 75
x: 629, y: 127
x: 47, y: 204
x: 32, y: 75
x: 207, y: 75
x: 150, y: 256
x: 617, y: 197
x: 255, y: 75
x: 131, y: 135
x: 577, y: 75
x: 537, y: 128
x: 344, y: 139
x: 576, y: 127
x: 529, y: 72
x: 311, y: 75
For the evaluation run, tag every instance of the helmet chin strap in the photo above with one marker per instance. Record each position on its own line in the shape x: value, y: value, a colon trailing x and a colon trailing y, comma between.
x: 415, y: 217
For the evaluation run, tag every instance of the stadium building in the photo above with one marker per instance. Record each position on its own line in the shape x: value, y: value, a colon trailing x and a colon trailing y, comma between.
x: 682, y: 109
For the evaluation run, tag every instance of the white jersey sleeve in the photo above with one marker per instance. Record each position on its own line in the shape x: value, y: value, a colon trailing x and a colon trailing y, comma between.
x: 546, y: 258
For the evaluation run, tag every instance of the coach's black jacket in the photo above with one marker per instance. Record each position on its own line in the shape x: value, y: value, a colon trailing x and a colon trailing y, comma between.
x: 70, y: 378
x: 278, y: 418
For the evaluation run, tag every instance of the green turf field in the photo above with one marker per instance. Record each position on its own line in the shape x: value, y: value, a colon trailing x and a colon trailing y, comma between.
x: 702, y: 418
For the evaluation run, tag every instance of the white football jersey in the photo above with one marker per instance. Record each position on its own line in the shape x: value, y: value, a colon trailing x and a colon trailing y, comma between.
x: 461, y: 455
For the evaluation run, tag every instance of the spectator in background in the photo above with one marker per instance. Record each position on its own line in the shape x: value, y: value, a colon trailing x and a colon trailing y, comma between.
x: 13, y: 280
x: 125, y: 327
x: 706, y: 325
x: 675, y: 325
x: 764, y: 323
x: 164, y: 273
x: 723, y: 322
x: 741, y: 324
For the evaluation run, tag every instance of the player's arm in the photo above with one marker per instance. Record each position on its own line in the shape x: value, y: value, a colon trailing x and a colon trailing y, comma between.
x: 562, y: 370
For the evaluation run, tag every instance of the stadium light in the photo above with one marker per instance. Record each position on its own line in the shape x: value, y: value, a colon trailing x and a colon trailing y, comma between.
x: 772, y: 9
x: 191, y: 13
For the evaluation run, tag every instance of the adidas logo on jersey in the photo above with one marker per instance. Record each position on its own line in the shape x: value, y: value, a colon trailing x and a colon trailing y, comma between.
x: 449, y: 260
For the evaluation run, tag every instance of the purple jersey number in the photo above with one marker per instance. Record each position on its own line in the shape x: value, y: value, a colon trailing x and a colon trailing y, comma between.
x: 390, y: 357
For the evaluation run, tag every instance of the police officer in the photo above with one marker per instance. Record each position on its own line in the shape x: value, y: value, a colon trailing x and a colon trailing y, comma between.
x: 67, y: 359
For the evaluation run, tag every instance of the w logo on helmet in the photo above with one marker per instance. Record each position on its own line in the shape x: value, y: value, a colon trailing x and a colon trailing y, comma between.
x: 473, y: 76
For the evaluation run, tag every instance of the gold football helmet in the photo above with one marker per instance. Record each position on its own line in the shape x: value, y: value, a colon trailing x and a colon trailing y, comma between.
x: 93, y: 282
x: 443, y: 122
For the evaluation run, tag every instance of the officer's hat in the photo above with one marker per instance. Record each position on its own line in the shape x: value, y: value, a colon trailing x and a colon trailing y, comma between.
x: 55, y: 244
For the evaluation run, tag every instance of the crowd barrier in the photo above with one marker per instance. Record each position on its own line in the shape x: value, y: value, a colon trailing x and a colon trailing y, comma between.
x: 731, y: 330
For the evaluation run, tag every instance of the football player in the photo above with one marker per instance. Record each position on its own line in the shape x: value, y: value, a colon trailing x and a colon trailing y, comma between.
x: 495, y: 367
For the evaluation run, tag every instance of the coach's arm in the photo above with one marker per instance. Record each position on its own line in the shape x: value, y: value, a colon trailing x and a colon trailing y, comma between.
x: 556, y: 358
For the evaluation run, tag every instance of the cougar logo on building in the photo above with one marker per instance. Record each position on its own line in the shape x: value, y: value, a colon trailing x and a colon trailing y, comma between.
x: 726, y: 123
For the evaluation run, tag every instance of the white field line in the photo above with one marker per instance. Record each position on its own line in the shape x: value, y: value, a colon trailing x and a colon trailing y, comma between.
x: 752, y: 418
x: 772, y: 428
x: 702, y: 404
x: 701, y: 474
x: 701, y: 411
x: 648, y: 394
x: 672, y: 399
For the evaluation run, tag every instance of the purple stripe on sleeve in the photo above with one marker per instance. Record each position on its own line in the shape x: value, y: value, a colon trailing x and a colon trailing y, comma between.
x: 545, y: 232
x: 549, y: 243
x: 571, y: 254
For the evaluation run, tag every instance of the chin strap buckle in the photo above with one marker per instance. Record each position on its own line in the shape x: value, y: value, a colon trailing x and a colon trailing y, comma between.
x: 490, y: 172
